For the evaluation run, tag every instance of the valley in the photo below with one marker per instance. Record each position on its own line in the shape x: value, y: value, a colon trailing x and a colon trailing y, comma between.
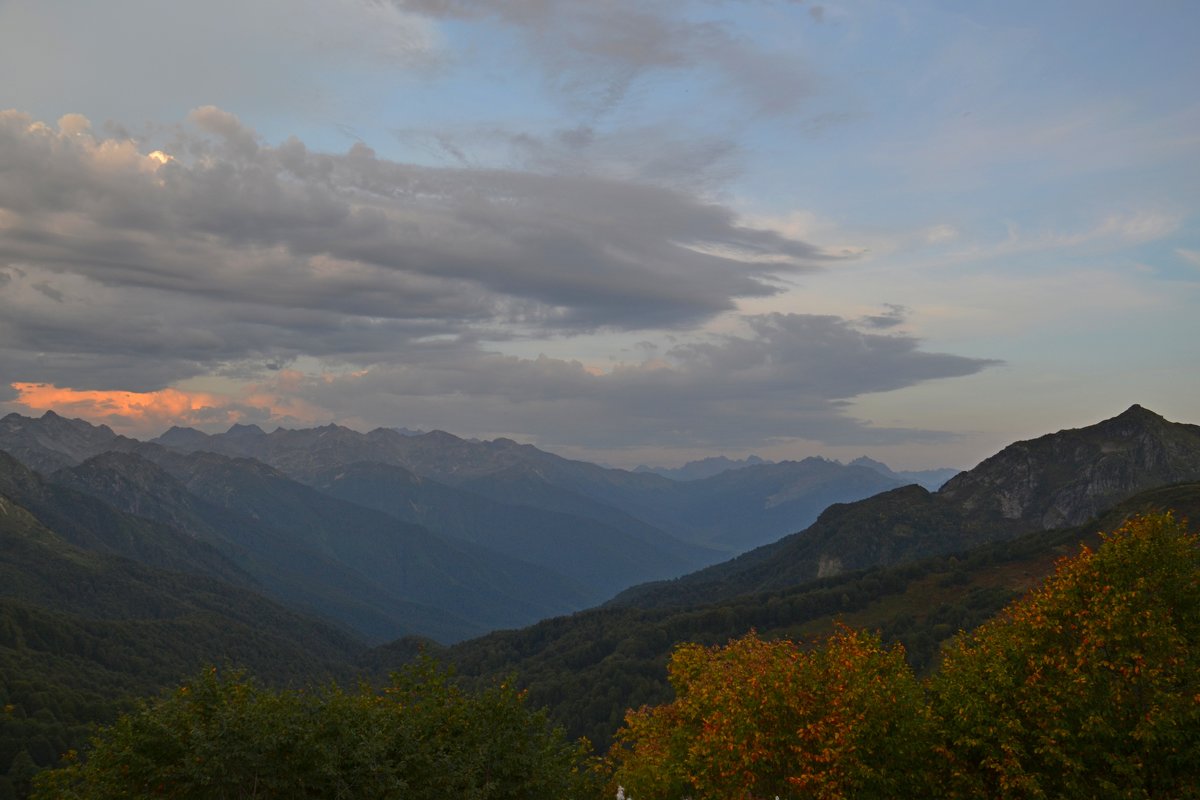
x: 308, y: 556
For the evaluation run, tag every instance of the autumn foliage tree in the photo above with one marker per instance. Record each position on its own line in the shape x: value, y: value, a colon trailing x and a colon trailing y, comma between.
x: 761, y: 719
x: 1087, y: 687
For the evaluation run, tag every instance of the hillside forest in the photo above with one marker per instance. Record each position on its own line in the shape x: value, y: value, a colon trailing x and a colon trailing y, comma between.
x: 1086, y: 686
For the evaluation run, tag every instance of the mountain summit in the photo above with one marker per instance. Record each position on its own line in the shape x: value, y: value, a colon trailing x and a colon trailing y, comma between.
x: 1066, y: 478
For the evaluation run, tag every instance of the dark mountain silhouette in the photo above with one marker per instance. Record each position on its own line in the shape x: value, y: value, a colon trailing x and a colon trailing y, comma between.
x: 1065, y: 478
x: 83, y: 633
x: 167, y: 617
x: 124, y: 570
x: 931, y: 479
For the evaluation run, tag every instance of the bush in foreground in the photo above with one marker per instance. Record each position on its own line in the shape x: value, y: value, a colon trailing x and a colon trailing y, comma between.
x: 760, y: 719
x: 422, y: 738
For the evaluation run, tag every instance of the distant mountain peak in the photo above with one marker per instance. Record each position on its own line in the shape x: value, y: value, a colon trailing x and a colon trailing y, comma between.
x: 406, y: 431
x: 182, y: 438
x: 177, y: 429
x: 441, y: 436
x: 703, y: 468
x: 1139, y: 413
x: 867, y: 461
x: 238, y: 429
x: 51, y: 441
x: 80, y: 424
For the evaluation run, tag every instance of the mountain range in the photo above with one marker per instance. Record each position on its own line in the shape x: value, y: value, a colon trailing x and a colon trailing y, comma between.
x: 392, y: 533
x: 775, y: 499
x: 125, y: 564
x: 1056, y: 481
x: 931, y: 479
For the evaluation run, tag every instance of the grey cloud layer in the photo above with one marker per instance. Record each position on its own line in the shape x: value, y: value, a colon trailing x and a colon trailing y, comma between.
x: 352, y: 245
x: 125, y: 269
x: 786, y: 377
x: 595, y: 52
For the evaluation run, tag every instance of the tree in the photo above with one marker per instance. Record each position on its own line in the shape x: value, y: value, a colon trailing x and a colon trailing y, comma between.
x: 1088, y: 687
x: 760, y: 719
x: 21, y: 773
x: 222, y: 736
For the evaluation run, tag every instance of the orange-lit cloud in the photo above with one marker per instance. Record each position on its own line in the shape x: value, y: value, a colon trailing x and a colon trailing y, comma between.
x: 130, y: 411
x: 149, y: 413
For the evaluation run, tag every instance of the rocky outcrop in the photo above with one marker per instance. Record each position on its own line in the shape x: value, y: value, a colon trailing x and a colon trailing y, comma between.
x: 1066, y: 478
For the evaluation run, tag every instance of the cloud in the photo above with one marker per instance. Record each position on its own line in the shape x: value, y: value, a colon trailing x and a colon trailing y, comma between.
x: 216, y: 247
x: 1190, y: 256
x: 783, y: 376
x: 146, y: 414
x: 150, y: 410
x: 321, y: 287
x: 892, y: 317
x: 1113, y: 231
x: 594, y: 54
x: 654, y: 154
x: 1041, y: 147
x: 128, y: 60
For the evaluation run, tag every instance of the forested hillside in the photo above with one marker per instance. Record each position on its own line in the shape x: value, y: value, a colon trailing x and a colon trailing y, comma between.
x: 83, y: 633
x: 589, y: 667
x: 1086, y: 686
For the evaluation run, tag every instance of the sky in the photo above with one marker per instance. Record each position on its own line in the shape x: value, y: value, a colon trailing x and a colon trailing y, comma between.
x: 630, y: 231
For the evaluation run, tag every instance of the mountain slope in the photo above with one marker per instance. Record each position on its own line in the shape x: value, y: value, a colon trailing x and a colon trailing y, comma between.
x: 1065, y: 478
x: 91, y: 524
x: 1057, y: 480
x: 81, y: 632
x: 52, y: 442
x: 601, y: 557
x: 281, y: 567
x: 702, y: 468
x: 590, y: 667
x: 931, y: 479
x: 380, y: 576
